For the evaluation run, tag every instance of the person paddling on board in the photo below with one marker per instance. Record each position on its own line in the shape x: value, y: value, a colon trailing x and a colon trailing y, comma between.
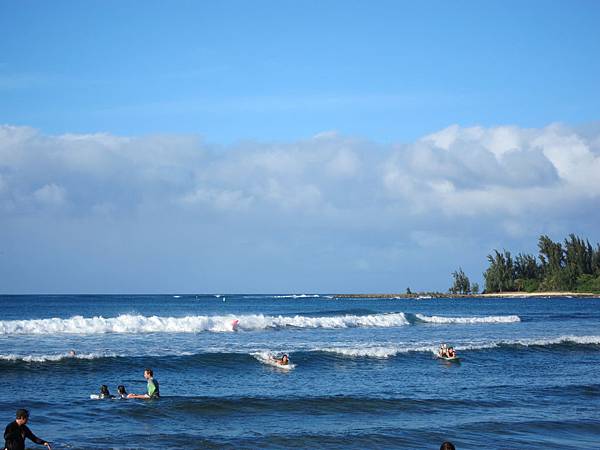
x: 450, y: 353
x: 283, y: 361
x: 443, y: 351
x: 153, y: 391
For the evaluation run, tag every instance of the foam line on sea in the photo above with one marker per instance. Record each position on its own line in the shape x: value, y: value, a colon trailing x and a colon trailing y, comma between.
x: 130, y: 323
x: 222, y: 355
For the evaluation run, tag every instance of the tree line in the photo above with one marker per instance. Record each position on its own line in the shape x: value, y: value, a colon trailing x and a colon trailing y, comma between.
x: 573, y: 265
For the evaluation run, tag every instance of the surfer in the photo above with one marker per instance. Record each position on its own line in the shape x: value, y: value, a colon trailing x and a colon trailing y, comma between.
x: 446, y: 352
x: 443, y: 351
x: 283, y: 361
x: 153, y: 390
x: 16, y: 432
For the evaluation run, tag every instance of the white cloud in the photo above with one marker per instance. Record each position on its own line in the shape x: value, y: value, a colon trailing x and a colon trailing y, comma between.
x: 224, y: 200
x: 318, y: 207
x: 457, y: 172
x: 50, y: 195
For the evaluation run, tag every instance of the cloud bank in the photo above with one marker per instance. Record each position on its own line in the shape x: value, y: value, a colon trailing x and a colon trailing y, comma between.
x: 353, y: 205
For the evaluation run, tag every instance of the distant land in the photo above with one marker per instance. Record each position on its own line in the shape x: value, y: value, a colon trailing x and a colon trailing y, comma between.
x: 490, y: 295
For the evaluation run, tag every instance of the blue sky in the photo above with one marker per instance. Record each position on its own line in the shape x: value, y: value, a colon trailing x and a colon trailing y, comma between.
x: 266, y: 146
x: 280, y: 70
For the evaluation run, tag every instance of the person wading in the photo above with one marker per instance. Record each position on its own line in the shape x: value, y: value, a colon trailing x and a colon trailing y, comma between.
x: 153, y: 391
x: 16, y: 432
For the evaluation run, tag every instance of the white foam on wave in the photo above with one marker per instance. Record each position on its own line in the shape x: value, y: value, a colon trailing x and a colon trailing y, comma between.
x: 297, y: 296
x: 345, y: 321
x: 128, y: 323
x: 388, y: 351
x: 372, y: 352
x: 467, y: 320
x: 533, y: 342
x: 55, y: 357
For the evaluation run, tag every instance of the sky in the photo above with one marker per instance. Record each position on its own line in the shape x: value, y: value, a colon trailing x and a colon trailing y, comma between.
x: 290, y: 147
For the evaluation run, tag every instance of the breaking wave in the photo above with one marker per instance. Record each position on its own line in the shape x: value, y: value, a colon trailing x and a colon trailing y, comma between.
x: 192, y: 324
x: 389, y: 351
x: 467, y: 320
x: 128, y: 323
x: 56, y: 357
x: 215, y: 357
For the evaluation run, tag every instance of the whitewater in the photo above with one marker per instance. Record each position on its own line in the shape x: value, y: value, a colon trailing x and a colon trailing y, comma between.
x: 128, y: 323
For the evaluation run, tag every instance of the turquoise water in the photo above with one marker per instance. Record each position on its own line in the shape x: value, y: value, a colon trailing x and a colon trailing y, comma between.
x: 364, y: 373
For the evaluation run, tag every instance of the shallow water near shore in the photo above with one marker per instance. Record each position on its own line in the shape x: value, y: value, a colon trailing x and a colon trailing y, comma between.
x: 364, y: 376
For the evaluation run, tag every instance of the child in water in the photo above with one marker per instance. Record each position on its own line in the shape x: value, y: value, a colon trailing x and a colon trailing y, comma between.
x: 104, y: 392
x: 121, y: 391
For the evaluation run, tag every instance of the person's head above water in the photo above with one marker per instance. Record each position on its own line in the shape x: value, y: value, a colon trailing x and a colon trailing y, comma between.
x: 121, y: 389
x: 104, y: 389
x: 447, y: 446
x: 148, y: 373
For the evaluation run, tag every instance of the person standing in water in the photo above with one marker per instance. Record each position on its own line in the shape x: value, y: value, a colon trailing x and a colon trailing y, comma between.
x: 153, y: 390
x: 16, y: 432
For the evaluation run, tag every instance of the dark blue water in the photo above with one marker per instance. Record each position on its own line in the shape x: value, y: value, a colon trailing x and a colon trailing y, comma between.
x: 363, y: 374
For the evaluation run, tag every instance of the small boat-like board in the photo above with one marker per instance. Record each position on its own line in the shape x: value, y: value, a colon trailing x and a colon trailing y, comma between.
x: 449, y: 359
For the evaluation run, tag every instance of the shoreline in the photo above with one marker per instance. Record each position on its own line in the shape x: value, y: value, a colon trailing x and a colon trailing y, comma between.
x: 424, y: 296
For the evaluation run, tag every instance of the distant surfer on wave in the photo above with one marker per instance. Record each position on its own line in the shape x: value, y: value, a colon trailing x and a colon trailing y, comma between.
x: 446, y: 352
x: 283, y: 361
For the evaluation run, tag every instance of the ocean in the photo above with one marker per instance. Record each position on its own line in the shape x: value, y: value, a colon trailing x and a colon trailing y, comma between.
x: 363, y: 372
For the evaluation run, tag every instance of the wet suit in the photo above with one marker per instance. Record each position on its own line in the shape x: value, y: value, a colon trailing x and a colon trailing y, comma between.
x: 153, y: 391
x: 14, y: 436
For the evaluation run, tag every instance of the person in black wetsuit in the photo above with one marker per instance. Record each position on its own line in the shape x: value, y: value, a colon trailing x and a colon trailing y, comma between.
x: 16, y: 432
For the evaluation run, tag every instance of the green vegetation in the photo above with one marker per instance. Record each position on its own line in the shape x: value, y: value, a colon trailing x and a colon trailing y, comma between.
x: 570, y: 266
x: 461, y: 284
